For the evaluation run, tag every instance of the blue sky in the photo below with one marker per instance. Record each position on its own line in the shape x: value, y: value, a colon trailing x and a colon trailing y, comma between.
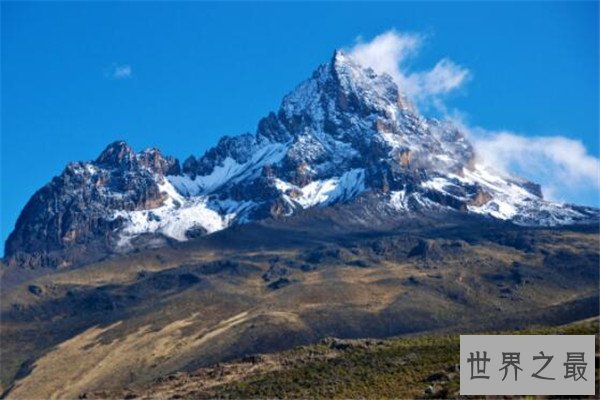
x: 76, y: 76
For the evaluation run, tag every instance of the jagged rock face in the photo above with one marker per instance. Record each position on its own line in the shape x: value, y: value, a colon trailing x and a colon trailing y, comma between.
x: 78, y: 206
x: 343, y: 132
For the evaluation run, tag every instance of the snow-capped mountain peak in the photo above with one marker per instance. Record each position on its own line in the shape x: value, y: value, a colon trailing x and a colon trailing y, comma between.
x: 344, y: 133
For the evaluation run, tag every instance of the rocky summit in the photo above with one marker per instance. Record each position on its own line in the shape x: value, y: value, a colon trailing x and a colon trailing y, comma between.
x: 344, y: 135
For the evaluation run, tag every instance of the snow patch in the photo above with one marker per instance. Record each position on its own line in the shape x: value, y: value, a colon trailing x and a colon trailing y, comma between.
x: 229, y: 171
x: 174, y: 218
x: 399, y: 200
x: 327, y: 191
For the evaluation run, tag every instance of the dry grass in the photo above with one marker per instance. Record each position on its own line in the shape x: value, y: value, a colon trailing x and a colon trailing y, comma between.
x: 156, y: 327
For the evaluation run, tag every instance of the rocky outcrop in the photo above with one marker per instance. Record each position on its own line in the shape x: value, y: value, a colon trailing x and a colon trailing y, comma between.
x: 75, y: 211
x: 481, y: 197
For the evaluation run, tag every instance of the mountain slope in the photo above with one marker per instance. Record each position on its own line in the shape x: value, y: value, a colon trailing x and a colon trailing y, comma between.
x: 344, y: 132
x: 409, y: 367
x: 269, y: 286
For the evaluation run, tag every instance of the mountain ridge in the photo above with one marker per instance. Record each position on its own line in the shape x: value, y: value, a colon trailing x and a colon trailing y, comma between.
x: 344, y: 132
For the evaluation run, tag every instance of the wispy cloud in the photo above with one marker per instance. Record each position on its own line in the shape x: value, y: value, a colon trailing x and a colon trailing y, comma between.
x: 563, y: 166
x: 120, y: 71
x: 389, y: 53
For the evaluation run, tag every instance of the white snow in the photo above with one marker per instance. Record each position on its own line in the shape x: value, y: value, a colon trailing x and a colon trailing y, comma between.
x: 92, y: 170
x: 443, y: 157
x: 497, y: 209
x: 327, y: 191
x: 176, y: 216
x: 229, y: 171
x: 398, y: 200
x: 318, y: 192
x: 283, y: 186
x: 437, y: 183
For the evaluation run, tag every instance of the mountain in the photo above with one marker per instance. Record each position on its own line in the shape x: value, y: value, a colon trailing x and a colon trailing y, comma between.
x: 342, y: 134
x: 347, y: 214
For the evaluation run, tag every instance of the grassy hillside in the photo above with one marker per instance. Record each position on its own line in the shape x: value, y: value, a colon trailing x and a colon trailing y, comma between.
x: 262, y: 289
x: 412, y: 367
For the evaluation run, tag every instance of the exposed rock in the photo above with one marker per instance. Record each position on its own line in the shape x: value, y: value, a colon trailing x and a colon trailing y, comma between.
x: 190, y: 166
x: 411, y: 280
x: 358, y: 263
x: 195, y: 232
x: 253, y: 359
x: 481, y: 198
x: 34, y: 289
x: 275, y: 272
x: 345, y: 344
x: 226, y: 266
x: 437, y: 376
x: 404, y: 158
x: 426, y: 249
x: 279, y: 283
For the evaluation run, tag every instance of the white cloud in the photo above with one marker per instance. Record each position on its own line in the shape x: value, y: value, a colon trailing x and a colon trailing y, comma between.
x: 388, y: 53
x: 563, y: 166
x: 120, y: 71
x: 443, y: 78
